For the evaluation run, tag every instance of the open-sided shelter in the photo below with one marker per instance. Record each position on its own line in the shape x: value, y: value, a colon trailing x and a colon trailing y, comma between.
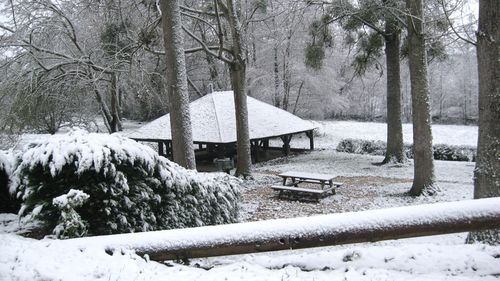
x: 214, y: 126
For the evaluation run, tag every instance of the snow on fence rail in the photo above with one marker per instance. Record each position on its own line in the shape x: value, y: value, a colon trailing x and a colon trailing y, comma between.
x: 305, y: 232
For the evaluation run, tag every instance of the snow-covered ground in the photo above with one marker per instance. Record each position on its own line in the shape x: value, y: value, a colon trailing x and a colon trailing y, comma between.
x: 443, y: 257
x: 330, y: 133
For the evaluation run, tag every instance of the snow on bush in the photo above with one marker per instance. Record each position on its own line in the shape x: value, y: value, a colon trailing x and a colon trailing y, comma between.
x: 441, y: 151
x: 454, y: 152
x: 8, y: 204
x: 360, y: 146
x: 70, y: 222
x: 130, y: 188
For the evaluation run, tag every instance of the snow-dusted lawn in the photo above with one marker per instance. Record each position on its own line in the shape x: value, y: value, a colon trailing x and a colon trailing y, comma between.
x: 443, y: 257
x: 332, y: 132
x: 366, y: 186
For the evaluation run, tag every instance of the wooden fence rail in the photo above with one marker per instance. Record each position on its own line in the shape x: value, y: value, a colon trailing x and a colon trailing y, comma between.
x: 306, y: 232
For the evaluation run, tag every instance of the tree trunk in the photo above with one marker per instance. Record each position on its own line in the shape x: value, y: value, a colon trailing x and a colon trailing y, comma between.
x: 238, y: 79
x: 395, y: 149
x: 180, y: 119
x: 298, y: 96
x: 106, y: 115
x: 487, y: 172
x: 423, y: 179
x: 116, y: 123
x: 212, y: 66
x: 286, y: 72
x: 244, y: 162
x: 277, y: 98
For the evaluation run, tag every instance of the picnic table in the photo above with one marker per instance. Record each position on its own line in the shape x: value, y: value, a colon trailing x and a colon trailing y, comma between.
x: 292, y: 179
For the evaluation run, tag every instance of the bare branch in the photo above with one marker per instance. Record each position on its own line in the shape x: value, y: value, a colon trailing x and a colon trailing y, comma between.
x: 220, y: 35
x: 205, y: 47
x: 396, y: 15
x: 369, y: 24
x: 13, y: 12
x: 198, y: 92
x: 6, y: 28
x: 198, y: 49
x: 200, y: 19
x: 225, y: 10
x: 198, y: 11
x: 452, y: 27
x: 71, y: 28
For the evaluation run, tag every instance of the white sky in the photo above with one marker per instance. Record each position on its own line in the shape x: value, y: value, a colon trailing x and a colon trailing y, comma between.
x: 2, y: 16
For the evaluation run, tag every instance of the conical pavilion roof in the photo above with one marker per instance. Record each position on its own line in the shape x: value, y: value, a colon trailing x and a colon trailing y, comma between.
x: 213, y: 121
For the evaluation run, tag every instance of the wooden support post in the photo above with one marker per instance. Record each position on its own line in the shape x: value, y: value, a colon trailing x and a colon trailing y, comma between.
x: 306, y: 232
x: 161, y: 152
x: 286, y: 144
x: 169, y: 150
x: 254, y: 147
x: 220, y: 151
x: 211, y: 149
x: 310, y: 135
x: 265, y: 146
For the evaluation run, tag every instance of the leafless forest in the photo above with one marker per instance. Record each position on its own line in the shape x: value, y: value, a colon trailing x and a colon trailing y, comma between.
x: 67, y: 63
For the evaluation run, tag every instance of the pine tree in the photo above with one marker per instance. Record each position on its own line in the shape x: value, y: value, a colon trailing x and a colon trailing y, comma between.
x: 487, y: 172
x: 423, y: 179
x: 382, y: 20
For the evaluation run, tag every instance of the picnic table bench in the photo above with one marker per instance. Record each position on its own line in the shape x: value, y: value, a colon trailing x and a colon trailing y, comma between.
x: 292, y: 179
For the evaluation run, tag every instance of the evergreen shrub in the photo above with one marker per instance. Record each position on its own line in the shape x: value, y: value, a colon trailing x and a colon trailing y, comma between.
x: 8, y: 204
x: 359, y: 146
x: 441, y: 151
x: 454, y: 152
x: 82, y: 183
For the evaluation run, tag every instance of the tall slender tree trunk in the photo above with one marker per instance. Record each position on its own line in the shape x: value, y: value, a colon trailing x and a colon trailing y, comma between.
x: 277, y: 98
x: 116, y: 122
x: 298, y: 96
x: 238, y: 74
x: 395, y: 149
x: 275, y: 35
x: 487, y: 172
x: 177, y: 89
x: 286, y: 71
x: 238, y: 79
x: 106, y: 114
x: 212, y: 67
x: 423, y: 178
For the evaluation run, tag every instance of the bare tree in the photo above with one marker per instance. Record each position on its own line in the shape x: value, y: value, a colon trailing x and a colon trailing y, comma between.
x: 238, y: 79
x: 180, y: 119
x: 50, y: 34
x: 423, y: 179
x: 231, y: 49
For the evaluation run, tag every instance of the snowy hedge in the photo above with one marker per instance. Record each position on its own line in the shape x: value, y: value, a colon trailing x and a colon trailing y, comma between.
x: 441, y: 151
x: 83, y: 183
x: 8, y: 204
x: 359, y: 146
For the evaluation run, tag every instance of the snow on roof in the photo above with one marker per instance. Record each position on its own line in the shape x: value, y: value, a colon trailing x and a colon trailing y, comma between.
x: 213, y: 121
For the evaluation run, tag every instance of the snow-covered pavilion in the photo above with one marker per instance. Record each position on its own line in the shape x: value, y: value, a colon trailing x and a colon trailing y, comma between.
x: 214, y: 126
